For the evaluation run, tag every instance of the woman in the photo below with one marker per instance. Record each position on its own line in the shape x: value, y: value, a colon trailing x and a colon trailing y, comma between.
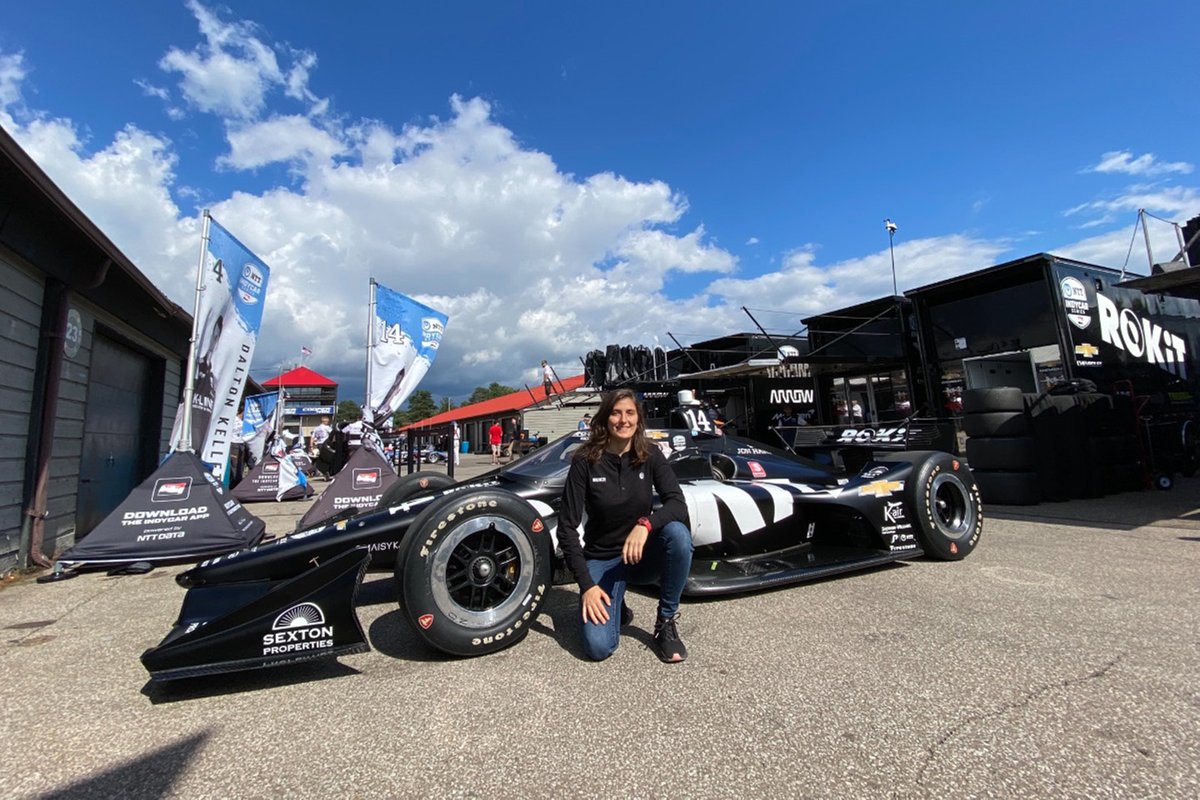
x: 611, y: 480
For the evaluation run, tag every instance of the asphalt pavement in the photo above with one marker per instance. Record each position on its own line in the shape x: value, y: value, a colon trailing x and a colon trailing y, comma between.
x: 1058, y: 660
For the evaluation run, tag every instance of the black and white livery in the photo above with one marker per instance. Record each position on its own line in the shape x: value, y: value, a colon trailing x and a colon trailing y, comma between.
x: 473, y: 561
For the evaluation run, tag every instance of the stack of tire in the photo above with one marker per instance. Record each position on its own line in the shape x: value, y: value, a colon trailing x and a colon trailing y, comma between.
x: 1001, y: 450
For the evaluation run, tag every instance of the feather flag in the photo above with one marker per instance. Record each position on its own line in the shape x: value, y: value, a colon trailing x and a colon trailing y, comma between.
x: 231, y: 290
x: 405, y: 339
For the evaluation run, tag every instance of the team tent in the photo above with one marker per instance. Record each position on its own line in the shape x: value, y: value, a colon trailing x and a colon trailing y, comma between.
x: 262, y: 483
x: 360, y: 484
x: 180, y: 513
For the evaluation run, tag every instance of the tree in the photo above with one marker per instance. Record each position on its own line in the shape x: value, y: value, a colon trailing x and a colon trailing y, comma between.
x: 348, y: 411
x: 447, y: 405
x: 421, y: 406
x: 495, y: 390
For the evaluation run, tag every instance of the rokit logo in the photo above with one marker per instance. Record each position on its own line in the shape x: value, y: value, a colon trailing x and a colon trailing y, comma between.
x: 302, y: 627
x: 366, y: 479
x: 167, y: 490
x: 882, y: 435
x: 1140, y: 337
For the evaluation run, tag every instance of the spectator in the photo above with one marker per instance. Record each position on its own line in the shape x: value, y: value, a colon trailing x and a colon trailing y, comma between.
x: 320, y: 434
x: 514, y: 436
x: 495, y: 439
x: 547, y: 378
x: 585, y: 423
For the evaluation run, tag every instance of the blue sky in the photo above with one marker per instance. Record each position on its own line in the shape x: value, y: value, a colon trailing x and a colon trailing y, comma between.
x: 557, y: 177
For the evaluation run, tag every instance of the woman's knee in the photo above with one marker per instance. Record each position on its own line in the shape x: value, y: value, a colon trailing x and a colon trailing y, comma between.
x: 597, y: 642
x: 677, y: 537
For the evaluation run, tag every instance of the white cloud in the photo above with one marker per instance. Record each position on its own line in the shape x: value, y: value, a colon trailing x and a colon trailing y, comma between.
x: 1173, y: 201
x: 1123, y: 162
x: 752, y: 240
x: 284, y: 138
x: 231, y: 73
x: 12, y: 73
x: 803, y: 287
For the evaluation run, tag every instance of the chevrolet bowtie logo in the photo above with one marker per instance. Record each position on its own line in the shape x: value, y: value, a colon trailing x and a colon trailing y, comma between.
x: 881, y: 488
x: 1087, y: 350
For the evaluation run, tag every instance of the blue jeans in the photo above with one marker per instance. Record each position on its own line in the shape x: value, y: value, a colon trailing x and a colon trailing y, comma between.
x: 666, y: 560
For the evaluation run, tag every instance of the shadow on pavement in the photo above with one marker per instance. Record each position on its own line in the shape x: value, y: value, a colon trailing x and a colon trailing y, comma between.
x: 391, y: 636
x: 152, y: 775
x: 1177, y: 508
x: 249, y: 681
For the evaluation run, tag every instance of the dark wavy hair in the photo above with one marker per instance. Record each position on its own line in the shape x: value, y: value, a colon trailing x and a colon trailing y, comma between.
x: 597, y: 441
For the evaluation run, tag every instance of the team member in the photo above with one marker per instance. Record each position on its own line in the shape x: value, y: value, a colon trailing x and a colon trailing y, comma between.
x: 625, y: 540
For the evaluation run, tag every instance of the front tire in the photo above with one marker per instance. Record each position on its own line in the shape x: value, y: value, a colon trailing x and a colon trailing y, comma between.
x: 946, y: 505
x: 473, y: 571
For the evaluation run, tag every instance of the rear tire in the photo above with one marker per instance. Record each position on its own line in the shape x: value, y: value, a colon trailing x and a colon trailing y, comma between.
x: 410, y: 486
x: 473, y: 571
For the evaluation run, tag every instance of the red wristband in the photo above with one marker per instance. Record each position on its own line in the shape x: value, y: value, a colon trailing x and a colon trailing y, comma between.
x: 645, y: 523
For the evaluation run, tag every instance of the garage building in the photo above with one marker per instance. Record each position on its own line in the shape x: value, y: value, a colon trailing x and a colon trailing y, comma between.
x: 91, y: 358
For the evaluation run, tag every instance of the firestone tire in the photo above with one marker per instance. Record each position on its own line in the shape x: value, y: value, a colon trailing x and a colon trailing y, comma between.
x: 1009, y: 488
x: 996, y: 423
x: 473, y: 571
x: 1001, y: 452
x: 946, y: 506
x: 998, y: 398
x: 412, y: 485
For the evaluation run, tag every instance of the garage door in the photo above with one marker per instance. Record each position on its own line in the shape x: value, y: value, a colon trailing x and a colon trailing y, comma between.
x: 115, y: 430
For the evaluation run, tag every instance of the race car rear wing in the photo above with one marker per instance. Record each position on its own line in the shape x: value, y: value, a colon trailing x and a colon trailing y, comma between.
x: 913, y: 433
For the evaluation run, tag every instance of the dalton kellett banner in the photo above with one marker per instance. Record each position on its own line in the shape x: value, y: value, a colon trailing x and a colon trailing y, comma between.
x: 229, y: 315
x: 405, y: 340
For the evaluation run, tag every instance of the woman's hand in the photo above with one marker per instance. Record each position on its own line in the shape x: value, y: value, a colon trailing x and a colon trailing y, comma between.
x: 595, y: 605
x: 635, y: 542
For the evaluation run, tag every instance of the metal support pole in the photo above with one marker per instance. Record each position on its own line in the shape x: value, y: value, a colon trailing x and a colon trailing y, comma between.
x: 891, y: 229
x: 189, y: 388
x: 1146, y: 236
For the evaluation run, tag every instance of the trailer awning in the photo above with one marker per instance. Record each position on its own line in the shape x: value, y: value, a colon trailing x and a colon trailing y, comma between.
x: 1176, y: 283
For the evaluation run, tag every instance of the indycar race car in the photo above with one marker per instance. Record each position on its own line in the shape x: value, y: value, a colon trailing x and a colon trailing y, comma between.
x: 473, y: 561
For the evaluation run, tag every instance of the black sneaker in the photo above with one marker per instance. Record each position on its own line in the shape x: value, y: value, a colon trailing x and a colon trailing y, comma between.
x: 667, y: 643
x: 626, y: 616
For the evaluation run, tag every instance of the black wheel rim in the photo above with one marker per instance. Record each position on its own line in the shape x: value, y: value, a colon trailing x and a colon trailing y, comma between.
x: 951, y: 506
x: 482, y: 571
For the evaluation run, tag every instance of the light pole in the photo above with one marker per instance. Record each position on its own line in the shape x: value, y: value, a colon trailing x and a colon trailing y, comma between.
x: 891, y: 229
